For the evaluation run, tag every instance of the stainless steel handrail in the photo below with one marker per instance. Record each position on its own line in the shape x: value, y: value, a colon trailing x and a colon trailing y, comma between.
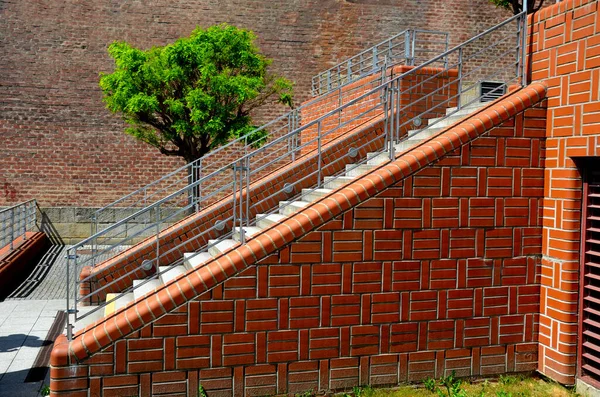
x: 485, y: 56
x: 290, y: 120
x: 357, y: 66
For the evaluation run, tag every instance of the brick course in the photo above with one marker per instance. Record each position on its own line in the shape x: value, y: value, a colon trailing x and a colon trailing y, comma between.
x: 388, y: 280
x: 564, y: 46
x: 59, y: 143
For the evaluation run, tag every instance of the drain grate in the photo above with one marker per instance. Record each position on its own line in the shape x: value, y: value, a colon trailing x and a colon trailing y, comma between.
x: 491, y: 90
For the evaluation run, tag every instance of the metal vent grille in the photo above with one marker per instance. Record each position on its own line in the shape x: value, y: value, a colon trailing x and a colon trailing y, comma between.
x: 491, y: 90
x: 590, y: 315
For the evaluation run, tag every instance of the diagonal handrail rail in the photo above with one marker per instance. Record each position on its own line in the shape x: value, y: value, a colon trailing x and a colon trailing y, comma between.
x: 189, y: 173
x: 490, y: 57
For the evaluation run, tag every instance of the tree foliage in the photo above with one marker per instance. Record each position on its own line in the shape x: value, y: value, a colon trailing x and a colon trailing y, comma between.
x: 195, y: 94
x: 516, y: 6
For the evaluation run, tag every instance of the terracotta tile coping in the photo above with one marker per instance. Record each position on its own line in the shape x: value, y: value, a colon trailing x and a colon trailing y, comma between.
x: 132, y: 318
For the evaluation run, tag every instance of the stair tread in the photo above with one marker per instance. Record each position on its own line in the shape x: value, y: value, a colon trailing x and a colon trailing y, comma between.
x: 194, y: 259
x: 148, y: 286
x: 168, y: 273
x: 249, y: 231
x: 116, y: 304
x: 319, y: 190
x: 219, y: 246
x: 296, y: 203
x: 274, y: 217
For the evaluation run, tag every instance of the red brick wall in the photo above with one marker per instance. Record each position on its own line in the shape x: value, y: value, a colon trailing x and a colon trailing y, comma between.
x: 416, y: 100
x: 437, y: 272
x: 60, y: 145
x: 565, y: 46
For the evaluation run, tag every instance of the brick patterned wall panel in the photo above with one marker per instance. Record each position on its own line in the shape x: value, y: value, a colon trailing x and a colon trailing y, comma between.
x: 431, y: 289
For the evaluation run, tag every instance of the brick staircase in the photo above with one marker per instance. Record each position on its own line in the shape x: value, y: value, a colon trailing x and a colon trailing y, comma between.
x: 194, y: 260
x: 237, y: 307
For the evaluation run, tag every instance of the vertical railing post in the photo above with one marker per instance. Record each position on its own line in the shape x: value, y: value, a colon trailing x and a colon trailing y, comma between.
x: 24, y: 215
x: 69, y: 325
x: 349, y: 72
x: 328, y: 80
x: 234, y: 192
x: 390, y: 118
x: 157, y: 237
x: 241, y: 203
x: 460, y: 73
x: 407, y: 50
x: 12, y: 228
x: 320, y: 156
x: 247, y: 215
x: 446, y: 50
x: 524, y: 45
x: 375, y: 60
x: 199, y: 187
x: 412, y: 48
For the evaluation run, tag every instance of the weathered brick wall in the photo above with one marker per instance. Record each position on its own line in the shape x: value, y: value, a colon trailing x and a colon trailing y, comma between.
x: 61, y: 146
x: 565, y: 47
x: 437, y: 272
x: 426, y: 93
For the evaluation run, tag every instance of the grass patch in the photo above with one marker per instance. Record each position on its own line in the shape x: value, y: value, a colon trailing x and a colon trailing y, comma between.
x: 504, y: 386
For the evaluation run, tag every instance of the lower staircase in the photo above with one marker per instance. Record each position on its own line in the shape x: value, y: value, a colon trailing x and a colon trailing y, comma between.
x: 286, y: 208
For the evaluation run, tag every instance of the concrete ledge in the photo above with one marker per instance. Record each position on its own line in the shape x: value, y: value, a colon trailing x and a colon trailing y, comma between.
x: 585, y: 389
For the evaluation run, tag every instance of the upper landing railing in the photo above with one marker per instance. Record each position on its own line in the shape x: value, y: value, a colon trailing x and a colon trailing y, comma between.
x: 410, y: 47
x: 15, y: 222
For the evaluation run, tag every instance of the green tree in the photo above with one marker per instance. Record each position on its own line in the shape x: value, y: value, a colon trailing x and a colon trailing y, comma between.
x: 516, y: 6
x: 195, y: 94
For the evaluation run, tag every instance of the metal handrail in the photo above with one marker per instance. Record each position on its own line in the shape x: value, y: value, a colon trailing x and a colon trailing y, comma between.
x: 485, y: 56
x: 16, y: 221
x: 401, y: 45
x: 290, y: 120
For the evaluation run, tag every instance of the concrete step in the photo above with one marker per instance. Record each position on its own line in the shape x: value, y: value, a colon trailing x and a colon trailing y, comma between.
x: 465, y: 110
x: 116, y: 304
x: 192, y: 260
x: 291, y: 207
x: 444, y: 122
x: 89, y: 319
x: 249, y: 231
x: 354, y: 170
x: 140, y: 290
x: 428, y: 131
x: 334, y: 182
x: 169, y: 273
x: 264, y: 221
x: 378, y: 158
x: 407, y: 144
x: 310, y: 195
x: 218, y: 247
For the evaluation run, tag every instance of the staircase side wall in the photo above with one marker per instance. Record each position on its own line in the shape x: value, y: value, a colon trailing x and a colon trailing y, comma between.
x: 417, y: 100
x: 565, y: 46
x: 438, y: 272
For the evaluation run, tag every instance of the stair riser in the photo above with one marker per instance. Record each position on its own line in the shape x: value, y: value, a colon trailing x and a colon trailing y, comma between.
x: 357, y: 171
x: 313, y: 196
x: 335, y: 183
x: 289, y: 210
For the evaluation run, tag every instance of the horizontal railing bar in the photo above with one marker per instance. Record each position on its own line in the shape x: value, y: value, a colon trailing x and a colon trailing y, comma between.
x: 12, y: 207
